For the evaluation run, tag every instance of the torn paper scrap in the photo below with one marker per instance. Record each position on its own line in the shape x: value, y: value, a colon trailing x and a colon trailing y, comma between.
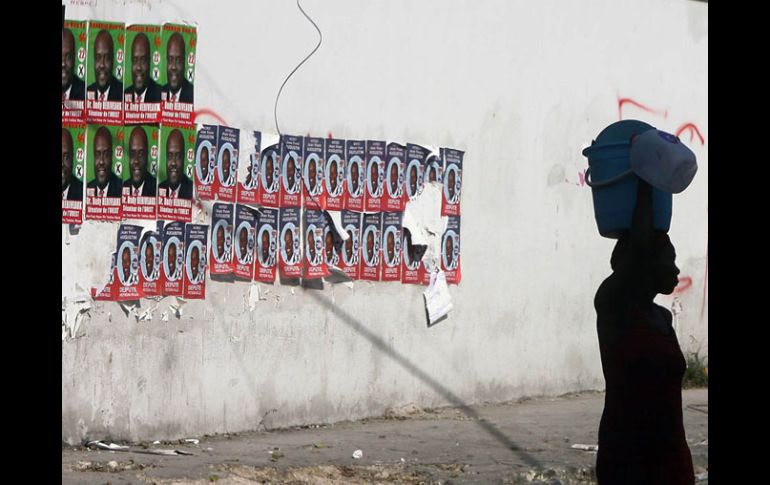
x: 438, y: 303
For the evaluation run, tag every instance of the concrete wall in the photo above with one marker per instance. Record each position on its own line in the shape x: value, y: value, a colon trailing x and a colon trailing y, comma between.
x: 522, y: 87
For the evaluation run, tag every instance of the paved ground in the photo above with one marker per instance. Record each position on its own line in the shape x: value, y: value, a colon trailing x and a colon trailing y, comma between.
x: 525, y: 442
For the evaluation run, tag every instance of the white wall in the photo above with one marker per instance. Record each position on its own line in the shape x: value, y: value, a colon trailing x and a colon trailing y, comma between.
x: 522, y: 87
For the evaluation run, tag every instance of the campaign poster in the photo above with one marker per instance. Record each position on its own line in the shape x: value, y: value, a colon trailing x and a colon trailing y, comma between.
x: 227, y: 163
x: 248, y: 167
x: 205, y: 161
x: 150, y: 247
x: 177, y: 73
x: 74, y: 61
x: 177, y: 161
x: 375, y: 175
x: 415, y: 156
x: 434, y: 167
x: 173, y: 259
x: 129, y: 287
x: 110, y: 290
x: 269, y: 171
x: 312, y: 174
x: 315, y: 262
x: 140, y: 189
x: 351, y: 247
x: 267, y: 245
x: 391, y: 246
x: 290, y: 246
x: 105, y: 73
x: 453, y: 172
x: 105, y: 172
x: 334, y: 174
x: 195, y: 261
x: 245, y: 241
x: 141, y: 97
x: 332, y: 243
x: 221, y: 239
x: 371, y: 235
x: 450, y: 250
x: 395, y: 198
x: 413, y: 269
x: 291, y: 171
x: 355, y: 176
x: 73, y: 168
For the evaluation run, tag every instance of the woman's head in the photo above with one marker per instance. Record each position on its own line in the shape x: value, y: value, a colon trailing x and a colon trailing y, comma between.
x: 663, y: 271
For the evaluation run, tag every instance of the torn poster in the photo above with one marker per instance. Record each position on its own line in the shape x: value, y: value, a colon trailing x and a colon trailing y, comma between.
x: 375, y: 175
x: 109, y: 291
x: 315, y: 262
x: 438, y: 303
x: 173, y: 259
x: 332, y: 242
x: 195, y: 261
x: 267, y: 245
x: 248, y: 167
x: 175, y: 187
x: 312, y: 175
x: 141, y: 186
x: 355, y: 175
x: 73, y: 168
x: 205, y: 161
x: 150, y: 259
x: 395, y: 198
x: 334, y: 174
x: 74, y: 48
x: 105, y: 172
x: 371, y: 234
x: 270, y: 171
x: 104, y: 76
x: 391, y: 246
x: 221, y: 239
x: 434, y: 167
x: 413, y: 269
x: 416, y: 156
x: 227, y: 163
x: 245, y: 239
x: 177, y: 73
x: 291, y: 171
x: 291, y: 248
x: 450, y: 250
x: 351, y: 248
x: 453, y: 172
x: 141, y: 98
x: 128, y: 263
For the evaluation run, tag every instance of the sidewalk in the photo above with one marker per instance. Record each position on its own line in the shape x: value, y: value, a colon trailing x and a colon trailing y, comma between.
x: 527, y: 442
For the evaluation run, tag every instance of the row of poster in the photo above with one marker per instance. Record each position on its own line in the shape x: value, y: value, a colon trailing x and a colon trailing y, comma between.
x: 258, y: 244
x: 138, y: 74
x: 150, y: 172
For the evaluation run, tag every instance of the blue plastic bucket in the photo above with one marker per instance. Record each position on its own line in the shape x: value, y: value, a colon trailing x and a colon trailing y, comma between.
x: 614, y: 185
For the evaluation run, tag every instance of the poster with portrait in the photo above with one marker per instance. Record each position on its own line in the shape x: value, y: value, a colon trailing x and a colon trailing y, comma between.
x: 434, y: 166
x: 175, y: 173
x: 395, y: 198
x: 391, y: 246
x: 205, y: 160
x: 172, y: 255
x: 221, y: 239
x: 453, y: 172
x: 150, y: 250
x: 245, y: 241
x: 141, y: 97
x: 109, y: 291
x: 315, y: 261
x: 291, y: 171
x: 248, y: 168
x: 140, y: 188
x: 450, y: 250
x: 105, y: 73
x: 128, y: 287
x: 350, y: 262
x: 195, y: 261
x: 371, y: 237
x: 313, y: 174
x: 105, y: 172
x: 269, y: 171
x: 290, y: 260
x: 334, y: 174
x: 267, y: 245
x: 416, y: 156
x: 375, y: 175
x: 355, y: 176
x: 332, y: 243
x: 74, y: 59
x: 73, y: 168
x: 177, y: 73
x: 413, y: 271
x: 227, y: 163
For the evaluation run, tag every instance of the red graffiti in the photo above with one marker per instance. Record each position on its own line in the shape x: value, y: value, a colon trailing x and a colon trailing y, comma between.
x: 330, y: 135
x: 694, y: 131
x: 685, y: 282
x: 624, y: 101
x: 209, y: 112
x: 582, y: 178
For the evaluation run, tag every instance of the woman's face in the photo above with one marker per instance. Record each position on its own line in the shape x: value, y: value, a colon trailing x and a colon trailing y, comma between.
x: 664, y: 270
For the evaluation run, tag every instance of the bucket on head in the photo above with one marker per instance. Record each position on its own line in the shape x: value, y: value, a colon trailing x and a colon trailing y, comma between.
x: 613, y: 183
